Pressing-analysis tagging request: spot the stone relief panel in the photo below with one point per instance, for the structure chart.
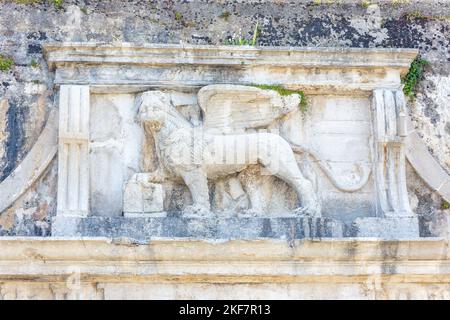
(236, 150)
(186, 143)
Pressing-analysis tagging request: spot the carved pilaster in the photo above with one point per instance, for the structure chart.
(73, 149)
(389, 131)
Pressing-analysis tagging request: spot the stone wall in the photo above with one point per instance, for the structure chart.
(26, 89)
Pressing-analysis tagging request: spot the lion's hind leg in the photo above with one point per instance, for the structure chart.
(285, 167)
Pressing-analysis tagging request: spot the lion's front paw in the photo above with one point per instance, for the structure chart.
(197, 211)
(307, 211)
(155, 177)
(248, 213)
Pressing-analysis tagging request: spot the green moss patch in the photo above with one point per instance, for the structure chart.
(285, 92)
(5, 63)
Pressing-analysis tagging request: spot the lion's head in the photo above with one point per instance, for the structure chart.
(153, 108)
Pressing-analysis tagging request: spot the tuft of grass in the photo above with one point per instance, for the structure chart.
(415, 15)
(237, 41)
(57, 4)
(5, 63)
(225, 15)
(27, 1)
(84, 10)
(35, 64)
(445, 205)
(397, 3)
(282, 91)
(240, 41)
(178, 16)
(412, 78)
(365, 4)
(256, 32)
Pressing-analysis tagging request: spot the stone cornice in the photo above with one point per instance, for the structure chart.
(131, 68)
(241, 56)
(231, 261)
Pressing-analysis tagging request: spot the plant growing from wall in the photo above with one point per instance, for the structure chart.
(241, 41)
(225, 15)
(397, 3)
(26, 1)
(415, 15)
(5, 63)
(412, 78)
(178, 16)
(285, 92)
(57, 4)
(35, 64)
(445, 205)
(365, 4)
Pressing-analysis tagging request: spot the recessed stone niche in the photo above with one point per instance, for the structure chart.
(198, 141)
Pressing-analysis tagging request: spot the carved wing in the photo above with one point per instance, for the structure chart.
(235, 108)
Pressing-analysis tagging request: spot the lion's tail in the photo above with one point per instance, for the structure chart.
(364, 170)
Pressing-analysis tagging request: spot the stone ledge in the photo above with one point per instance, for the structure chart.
(46, 249)
(145, 227)
(263, 261)
(101, 268)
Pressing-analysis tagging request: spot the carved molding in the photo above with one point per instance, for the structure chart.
(33, 268)
(133, 68)
(154, 54)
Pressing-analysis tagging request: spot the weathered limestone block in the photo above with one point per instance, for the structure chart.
(115, 151)
(386, 228)
(142, 196)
